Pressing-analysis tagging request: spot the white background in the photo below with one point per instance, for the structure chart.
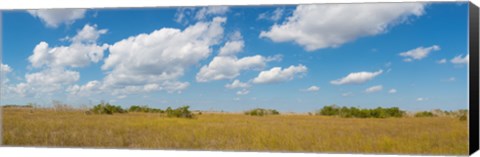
(77, 152)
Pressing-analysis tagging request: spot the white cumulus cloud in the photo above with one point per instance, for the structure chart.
(56, 17)
(231, 48)
(234, 46)
(331, 25)
(46, 81)
(88, 89)
(442, 61)
(357, 77)
(460, 60)
(312, 89)
(392, 91)
(55, 63)
(237, 84)
(5, 68)
(418, 53)
(243, 92)
(273, 16)
(209, 11)
(277, 74)
(374, 89)
(160, 57)
(226, 65)
(82, 51)
(229, 67)
(186, 14)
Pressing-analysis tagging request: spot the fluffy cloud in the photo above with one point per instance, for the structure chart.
(89, 34)
(160, 57)
(234, 46)
(277, 74)
(442, 61)
(53, 62)
(357, 77)
(374, 89)
(330, 25)
(229, 67)
(231, 48)
(237, 84)
(184, 15)
(82, 51)
(418, 53)
(210, 11)
(55, 17)
(460, 60)
(89, 88)
(392, 91)
(312, 89)
(274, 16)
(4, 70)
(243, 92)
(46, 81)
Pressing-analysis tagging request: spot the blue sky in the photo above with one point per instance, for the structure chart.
(289, 58)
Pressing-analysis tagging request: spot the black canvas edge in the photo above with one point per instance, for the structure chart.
(473, 77)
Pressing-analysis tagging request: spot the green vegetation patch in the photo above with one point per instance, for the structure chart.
(106, 108)
(146, 109)
(180, 112)
(349, 112)
(261, 112)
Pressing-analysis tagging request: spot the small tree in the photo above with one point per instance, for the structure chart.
(107, 109)
(146, 109)
(329, 110)
(424, 114)
(181, 112)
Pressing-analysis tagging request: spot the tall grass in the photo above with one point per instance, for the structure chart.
(235, 132)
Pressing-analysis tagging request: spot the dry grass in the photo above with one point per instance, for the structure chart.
(237, 132)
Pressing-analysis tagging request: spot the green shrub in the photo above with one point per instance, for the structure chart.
(346, 112)
(329, 111)
(424, 114)
(145, 109)
(181, 112)
(261, 112)
(103, 108)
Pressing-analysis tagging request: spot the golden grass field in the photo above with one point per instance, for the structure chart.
(235, 132)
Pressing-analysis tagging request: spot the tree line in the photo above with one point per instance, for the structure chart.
(330, 110)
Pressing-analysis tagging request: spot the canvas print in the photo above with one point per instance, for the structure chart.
(370, 78)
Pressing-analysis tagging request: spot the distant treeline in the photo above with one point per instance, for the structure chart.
(380, 112)
(17, 106)
(330, 110)
(106, 108)
(348, 112)
(261, 112)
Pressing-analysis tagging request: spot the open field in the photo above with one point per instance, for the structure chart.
(235, 132)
